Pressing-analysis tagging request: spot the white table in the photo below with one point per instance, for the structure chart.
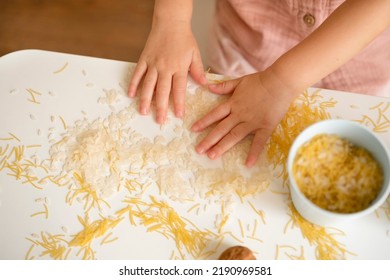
(44, 94)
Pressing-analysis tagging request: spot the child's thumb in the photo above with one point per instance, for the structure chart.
(224, 87)
(196, 70)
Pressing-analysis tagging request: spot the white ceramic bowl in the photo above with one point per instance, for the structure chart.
(357, 134)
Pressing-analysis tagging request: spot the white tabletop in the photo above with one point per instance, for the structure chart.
(166, 202)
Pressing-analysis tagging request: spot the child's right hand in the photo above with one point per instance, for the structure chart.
(170, 53)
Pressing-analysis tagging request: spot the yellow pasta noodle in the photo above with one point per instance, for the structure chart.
(337, 175)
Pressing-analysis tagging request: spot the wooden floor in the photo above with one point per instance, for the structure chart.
(114, 29)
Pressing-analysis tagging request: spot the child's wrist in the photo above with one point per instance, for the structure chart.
(172, 12)
(274, 82)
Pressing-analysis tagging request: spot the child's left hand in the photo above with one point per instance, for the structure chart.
(258, 103)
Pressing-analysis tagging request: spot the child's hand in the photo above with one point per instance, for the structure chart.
(257, 105)
(170, 53)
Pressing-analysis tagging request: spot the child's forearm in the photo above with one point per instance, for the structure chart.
(173, 11)
(347, 31)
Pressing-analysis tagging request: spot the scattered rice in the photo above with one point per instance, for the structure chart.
(105, 151)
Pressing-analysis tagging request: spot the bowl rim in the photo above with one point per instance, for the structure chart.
(378, 201)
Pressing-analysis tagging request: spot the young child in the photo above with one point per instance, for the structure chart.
(278, 47)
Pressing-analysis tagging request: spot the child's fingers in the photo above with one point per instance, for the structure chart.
(225, 87)
(218, 113)
(196, 69)
(163, 90)
(139, 72)
(147, 91)
(258, 144)
(211, 143)
(227, 140)
(179, 88)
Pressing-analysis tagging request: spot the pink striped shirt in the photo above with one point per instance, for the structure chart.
(249, 35)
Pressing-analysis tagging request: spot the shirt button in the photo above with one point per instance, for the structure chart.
(309, 19)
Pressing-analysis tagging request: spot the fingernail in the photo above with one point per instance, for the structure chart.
(131, 92)
(143, 111)
(179, 114)
(212, 155)
(250, 162)
(160, 119)
(212, 86)
(194, 128)
(199, 150)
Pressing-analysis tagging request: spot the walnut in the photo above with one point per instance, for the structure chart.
(237, 253)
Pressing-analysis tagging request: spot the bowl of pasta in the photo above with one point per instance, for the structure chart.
(338, 171)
